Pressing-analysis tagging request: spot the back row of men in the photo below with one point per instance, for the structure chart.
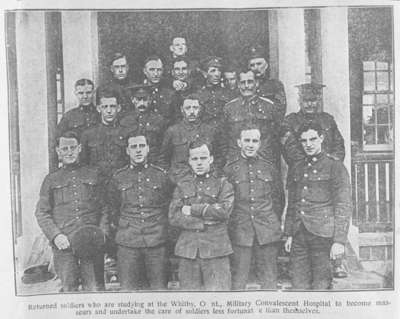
(195, 134)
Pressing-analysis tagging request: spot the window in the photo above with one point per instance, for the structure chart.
(377, 106)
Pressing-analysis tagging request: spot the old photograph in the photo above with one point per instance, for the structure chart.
(187, 150)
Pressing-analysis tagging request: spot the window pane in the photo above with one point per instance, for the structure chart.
(384, 135)
(369, 81)
(368, 99)
(383, 81)
(382, 65)
(368, 115)
(382, 99)
(369, 135)
(382, 115)
(369, 65)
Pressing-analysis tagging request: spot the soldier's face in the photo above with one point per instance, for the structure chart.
(247, 84)
(137, 149)
(178, 47)
(191, 110)
(258, 66)
(141, 103)
(120, 68)
(68, 150)
(180, 71)
(153, 71)
(310, 105)
(311, 142)
(84, 94)
(214, 75)
(108, 109)
(200, 160)
(230, 80)
(249, 142)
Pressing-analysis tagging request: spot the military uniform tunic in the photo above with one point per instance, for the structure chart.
(78, 119)
(318, 214)
(162, 102)
(333, 143)
(105, 146)
(273, 90)
(213, 98)
(203, 244)
(72, 197)
(140, 196)
(255, 223)
(256, 110)
(174, 152)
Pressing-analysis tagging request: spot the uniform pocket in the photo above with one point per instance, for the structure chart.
(61, 193)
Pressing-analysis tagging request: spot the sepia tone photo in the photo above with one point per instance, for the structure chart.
(201, 150)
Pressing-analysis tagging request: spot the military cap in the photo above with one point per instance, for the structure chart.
(140, 90)
(87, 242)
(310, 91)
(211, 61)
(37, 273)
(256, 51)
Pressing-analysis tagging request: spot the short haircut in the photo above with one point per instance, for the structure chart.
(199, 142)
(135, 133)
(153, 57)
(178, 36)
(244, 70)
(117, 56)
(82, 82)
(248, 127)
(68, 134)
(180, 59)
(107, 92)
(313, 125)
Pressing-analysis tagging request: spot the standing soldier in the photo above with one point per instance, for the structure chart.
(201, 207)
(212, 95)
(71, 199)
(318, 213)
(272, 89)
(175, 146)
(120, 82)
(255, 223)
(160, 94)
(253, 109)
(104, 144)
(310, 101)
(140, 194)
(84, 115)
(143, 120)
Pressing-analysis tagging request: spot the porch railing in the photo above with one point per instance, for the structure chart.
(373, 191)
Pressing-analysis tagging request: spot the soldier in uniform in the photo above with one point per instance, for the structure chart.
(175, 146)
(201, 206)
(104, 144)
(310, 101)
(140, 195)
(272, 89)
(255, 223)
(161, 94)
(84, 115)
(251, 108)
(70, 198)
(142, 119)
(231, 80)
(120, 82)
(318, 213)
(212, 95)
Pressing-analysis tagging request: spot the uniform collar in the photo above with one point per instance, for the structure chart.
(191, 125)
(139, 167)
(315, 158)
(87, 108)
(202, 177)
(248, 100)
(112, 125)
(250, 160)
(71, 167)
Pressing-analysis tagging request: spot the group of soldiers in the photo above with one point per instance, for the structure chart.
(190, 158)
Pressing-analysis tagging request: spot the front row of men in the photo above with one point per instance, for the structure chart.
(223, 221)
